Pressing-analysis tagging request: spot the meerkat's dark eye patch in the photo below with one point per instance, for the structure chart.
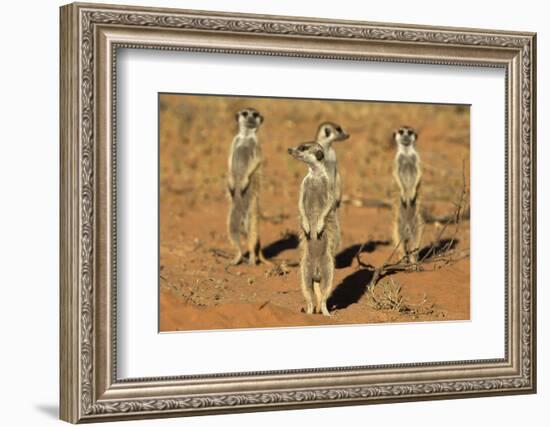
(339, 129)
(327, 132)
(302, 147)
(255, 114)
(319, 155)
(245, 113)
(401, 131)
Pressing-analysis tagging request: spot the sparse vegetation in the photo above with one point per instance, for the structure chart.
(388, 295)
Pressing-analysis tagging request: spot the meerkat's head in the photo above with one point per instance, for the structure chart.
(311, 153)
(249, 118)
(405, 136)
(329, 132)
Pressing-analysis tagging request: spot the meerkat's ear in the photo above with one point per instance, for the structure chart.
(237, 114)
(261, 119)
(319, 155)
(393, 135)
(327, 132)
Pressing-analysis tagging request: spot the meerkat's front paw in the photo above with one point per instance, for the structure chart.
(307, 231)
(231, 186)
(319, 230)
(244, 186)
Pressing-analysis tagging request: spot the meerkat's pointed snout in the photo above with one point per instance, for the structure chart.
(308, 152)
(293, 151)
(249, 118)
(329, 132)
(405, 136)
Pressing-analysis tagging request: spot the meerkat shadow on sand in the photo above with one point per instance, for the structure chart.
(345, 257)
(350, 290)
(287, 242)
(437, 248)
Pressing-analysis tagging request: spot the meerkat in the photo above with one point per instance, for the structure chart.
(407, 173)
(318, 228)
(327, 133)
(244, 164)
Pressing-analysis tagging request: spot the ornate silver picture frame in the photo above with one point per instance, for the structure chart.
(91, 35)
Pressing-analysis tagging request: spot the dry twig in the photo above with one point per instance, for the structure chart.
(220, 253)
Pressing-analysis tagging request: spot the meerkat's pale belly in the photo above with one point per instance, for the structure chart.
(242, 157)
(315, 200)
(408, 170)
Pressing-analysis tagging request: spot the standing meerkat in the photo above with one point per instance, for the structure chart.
(245, 159)
(407, 173)
(327, 133)
(318, 226)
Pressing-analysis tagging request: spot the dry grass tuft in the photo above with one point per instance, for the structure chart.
(387, 295)
(278, 269)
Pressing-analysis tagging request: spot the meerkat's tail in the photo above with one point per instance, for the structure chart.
(318, 296)
(261, 255)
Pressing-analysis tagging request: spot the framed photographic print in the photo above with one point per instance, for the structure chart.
(265, 212)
